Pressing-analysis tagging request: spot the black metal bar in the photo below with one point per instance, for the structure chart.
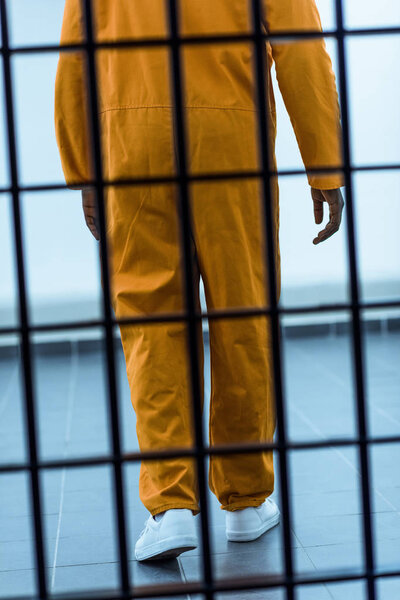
(174, 42)
(118, 486)
(222, 585)
(180, 136)
(261, 74)
(206, 177)
(238, 313)
(217, 449)
(28, 375)
(204, 39)
(357, 339)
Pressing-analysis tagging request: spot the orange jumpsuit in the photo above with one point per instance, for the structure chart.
(136, 125)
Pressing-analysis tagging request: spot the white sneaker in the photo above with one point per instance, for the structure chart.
(169, 536)
(249, 523)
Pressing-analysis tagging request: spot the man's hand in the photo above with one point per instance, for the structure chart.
(90, 211)
(335, 200)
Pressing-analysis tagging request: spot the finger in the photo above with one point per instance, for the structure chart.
(92, 225)
(326, 233)
(89, 202)
(336, 211)
(89, 211)
(95, 233)
(89, 198)
(335, 219)
(318, 202)
(318, 211)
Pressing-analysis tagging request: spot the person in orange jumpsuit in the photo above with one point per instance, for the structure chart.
(228, 246)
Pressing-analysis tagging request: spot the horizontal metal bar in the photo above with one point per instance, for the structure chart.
(220, 585)
(236, 313)
(143, 42)
(217, 449)
(200, 177)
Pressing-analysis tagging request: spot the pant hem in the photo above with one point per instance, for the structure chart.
(244, 504)
(193, 507)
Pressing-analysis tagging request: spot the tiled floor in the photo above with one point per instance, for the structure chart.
(80, 535)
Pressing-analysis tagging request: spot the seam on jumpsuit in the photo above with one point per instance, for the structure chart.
(216, 106)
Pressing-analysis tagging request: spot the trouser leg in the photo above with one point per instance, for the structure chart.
(147, 278)
(230, 238)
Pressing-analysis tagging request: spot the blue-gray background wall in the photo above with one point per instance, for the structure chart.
(61, 255)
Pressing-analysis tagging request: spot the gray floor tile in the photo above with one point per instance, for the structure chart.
(388, 496)
(88, 500)
(323, 470)
(330, 412)
(14, 498)
(324, 483)
(347, 557)
(87, 523)
(15, 495)
(388, 588)
(19, 555)
(387, 526)
(267, 562)
(17, 529)
(323, 531)
(89, 478)
(86, 577)
(260, 594)
(155, 573)
(17, 583)
(220, 545)
(86, 549)
(313, 592)
(387, 554)
(324, 504)
(383, 458)
(13, 446)
(354, 590)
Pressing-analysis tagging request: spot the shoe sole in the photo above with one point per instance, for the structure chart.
(168, 548)
(248, 536)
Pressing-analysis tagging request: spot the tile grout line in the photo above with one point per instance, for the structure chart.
(338, 380)
(71, 395)
(316, 430)
(332, 376)
(342, 456)
(381, 361)
(336, 450)
(387, 415)
(183, 576)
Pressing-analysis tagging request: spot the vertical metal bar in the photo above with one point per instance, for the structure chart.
(261, 75)
(355, 309)
(108, 326)
(185, 227)
(30, 411)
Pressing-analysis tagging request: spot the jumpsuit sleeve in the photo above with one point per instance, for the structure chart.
(307, 83)
(70, 102)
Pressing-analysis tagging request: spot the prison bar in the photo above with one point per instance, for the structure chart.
(117, 458)
(205, 39)
(30, 408)
(185, 222)
(210, 314)
(261, 73)
(216, 176)
(358, 360)
(95, 140)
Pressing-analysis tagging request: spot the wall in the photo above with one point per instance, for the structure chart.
(61, 255)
